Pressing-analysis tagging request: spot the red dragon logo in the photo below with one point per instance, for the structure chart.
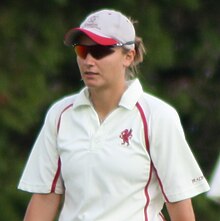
(126, 135)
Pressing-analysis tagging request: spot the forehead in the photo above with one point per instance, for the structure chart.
(84, 39)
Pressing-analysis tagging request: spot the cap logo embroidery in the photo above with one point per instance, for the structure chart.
(91, 23)
(126, 135)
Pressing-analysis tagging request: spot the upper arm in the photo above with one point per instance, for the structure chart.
(181, 211)
(43, 207)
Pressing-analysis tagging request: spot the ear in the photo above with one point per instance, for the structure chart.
(129, 58)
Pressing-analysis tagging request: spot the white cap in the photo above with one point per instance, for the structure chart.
(105, 27)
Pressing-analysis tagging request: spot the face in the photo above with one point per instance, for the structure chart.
(101, 72)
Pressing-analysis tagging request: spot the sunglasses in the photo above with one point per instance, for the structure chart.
(97, 51)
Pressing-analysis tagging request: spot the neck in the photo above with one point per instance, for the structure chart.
(105, 101)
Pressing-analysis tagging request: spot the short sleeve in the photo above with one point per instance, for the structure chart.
(42, 170)
(178, 172)
(214, 192)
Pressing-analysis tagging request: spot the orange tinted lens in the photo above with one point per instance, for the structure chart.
(81, 51)
(97, 51)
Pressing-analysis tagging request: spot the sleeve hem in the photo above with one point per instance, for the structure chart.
(189, 193)
(44, 189)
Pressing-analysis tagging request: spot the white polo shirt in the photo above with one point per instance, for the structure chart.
(105, 170)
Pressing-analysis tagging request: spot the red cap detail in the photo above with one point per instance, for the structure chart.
(69, 37)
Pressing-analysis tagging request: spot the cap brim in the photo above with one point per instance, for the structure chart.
(72, 35)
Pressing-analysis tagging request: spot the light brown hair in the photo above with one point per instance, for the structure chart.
(140, 51)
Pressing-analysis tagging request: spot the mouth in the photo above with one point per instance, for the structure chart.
(90, 73)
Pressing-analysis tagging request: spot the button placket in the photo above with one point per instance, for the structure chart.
(97, 140)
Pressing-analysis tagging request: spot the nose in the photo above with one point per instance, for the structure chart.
(89, 59)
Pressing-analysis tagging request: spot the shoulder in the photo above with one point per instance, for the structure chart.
(61, 104)
(162, 117)
(56, 109)
(157, 108)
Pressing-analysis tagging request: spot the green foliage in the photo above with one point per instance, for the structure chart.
(182, 67)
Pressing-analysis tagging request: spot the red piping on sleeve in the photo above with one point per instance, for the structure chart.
(56, 176)
(54, 183)
(144, 120)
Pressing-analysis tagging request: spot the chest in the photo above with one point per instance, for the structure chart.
(116, 148)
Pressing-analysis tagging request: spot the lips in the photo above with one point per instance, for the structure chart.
(90, 73)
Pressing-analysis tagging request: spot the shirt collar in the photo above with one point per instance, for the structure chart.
(128, 99)
(131, 95)
(82, 99)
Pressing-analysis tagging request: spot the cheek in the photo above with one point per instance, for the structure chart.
(79, 63)
(113, 69)
(78, 60)
(109, 67)
(116, 61)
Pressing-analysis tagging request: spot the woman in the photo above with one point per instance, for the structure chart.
(115, 152)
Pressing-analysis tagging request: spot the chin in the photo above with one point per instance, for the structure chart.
(91, 84)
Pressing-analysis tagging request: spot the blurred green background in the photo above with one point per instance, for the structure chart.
(182, 67)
